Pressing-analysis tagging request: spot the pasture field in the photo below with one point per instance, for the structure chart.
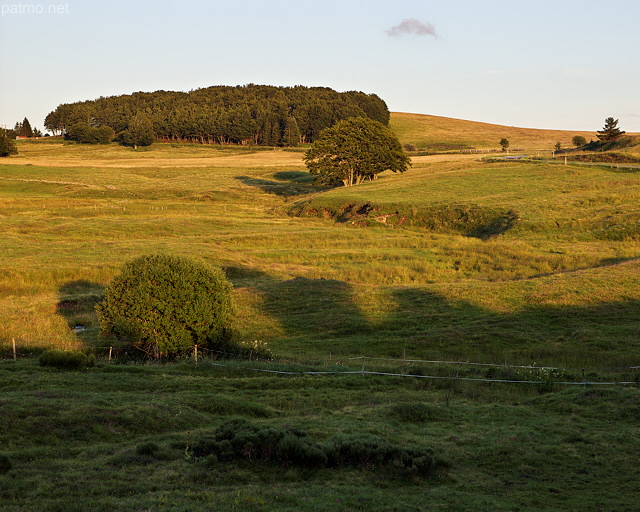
(460, 258)
(117, 438)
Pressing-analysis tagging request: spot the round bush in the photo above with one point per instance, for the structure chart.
(164, 305)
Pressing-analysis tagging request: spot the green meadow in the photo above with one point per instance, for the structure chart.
(512, 263)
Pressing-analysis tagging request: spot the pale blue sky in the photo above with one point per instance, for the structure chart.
(565, 64)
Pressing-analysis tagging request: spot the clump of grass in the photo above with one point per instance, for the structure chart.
(412, 412)
(148, 449)
(69, 359)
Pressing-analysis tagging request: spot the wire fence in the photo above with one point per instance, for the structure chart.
(562, 159)
(452, 370)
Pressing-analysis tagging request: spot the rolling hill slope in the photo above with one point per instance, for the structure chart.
(443, 133)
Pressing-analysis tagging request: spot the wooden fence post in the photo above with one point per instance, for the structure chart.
(195, 353)
(404, 361)
(15, 355)
(362, 365)
(110, 351)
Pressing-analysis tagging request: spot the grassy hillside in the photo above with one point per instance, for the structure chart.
(442, 133)
(309, 285)
(503, 263)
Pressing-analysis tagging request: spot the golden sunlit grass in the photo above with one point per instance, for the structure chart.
(434, 132)
(74, 214)
(64, 154)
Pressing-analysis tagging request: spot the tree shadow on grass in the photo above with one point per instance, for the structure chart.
(324, 314)
(289, 184)
(76, 304)
(318, 307)
(424, 321)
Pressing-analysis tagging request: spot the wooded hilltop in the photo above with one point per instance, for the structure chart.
(249, 114)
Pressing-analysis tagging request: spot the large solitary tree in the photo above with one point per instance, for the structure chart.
(610, 130)
(354, 150)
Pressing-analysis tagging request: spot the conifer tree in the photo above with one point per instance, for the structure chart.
(27, 131)
(610, 130)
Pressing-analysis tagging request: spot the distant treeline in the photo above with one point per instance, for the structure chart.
(249, 114)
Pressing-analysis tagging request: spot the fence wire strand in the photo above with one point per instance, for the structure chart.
(208, 358)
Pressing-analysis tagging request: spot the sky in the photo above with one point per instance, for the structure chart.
(557, 64)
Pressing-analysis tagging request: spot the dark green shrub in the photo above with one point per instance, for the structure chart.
(240, 439)
(7, 146)
(83, 132)
(70, 359)
(578, 140)
(5, 464)
(164, 305)
(300, 451)
(361, 450)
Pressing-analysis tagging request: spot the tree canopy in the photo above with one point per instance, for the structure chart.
(610, 130)
(139, 132)
(23, 129)
(82, 132)
(7, 146)
(578, 140)
(354, 150)
(250, 114)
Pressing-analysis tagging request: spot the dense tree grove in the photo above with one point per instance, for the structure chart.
(250, 114)
(22, 129)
